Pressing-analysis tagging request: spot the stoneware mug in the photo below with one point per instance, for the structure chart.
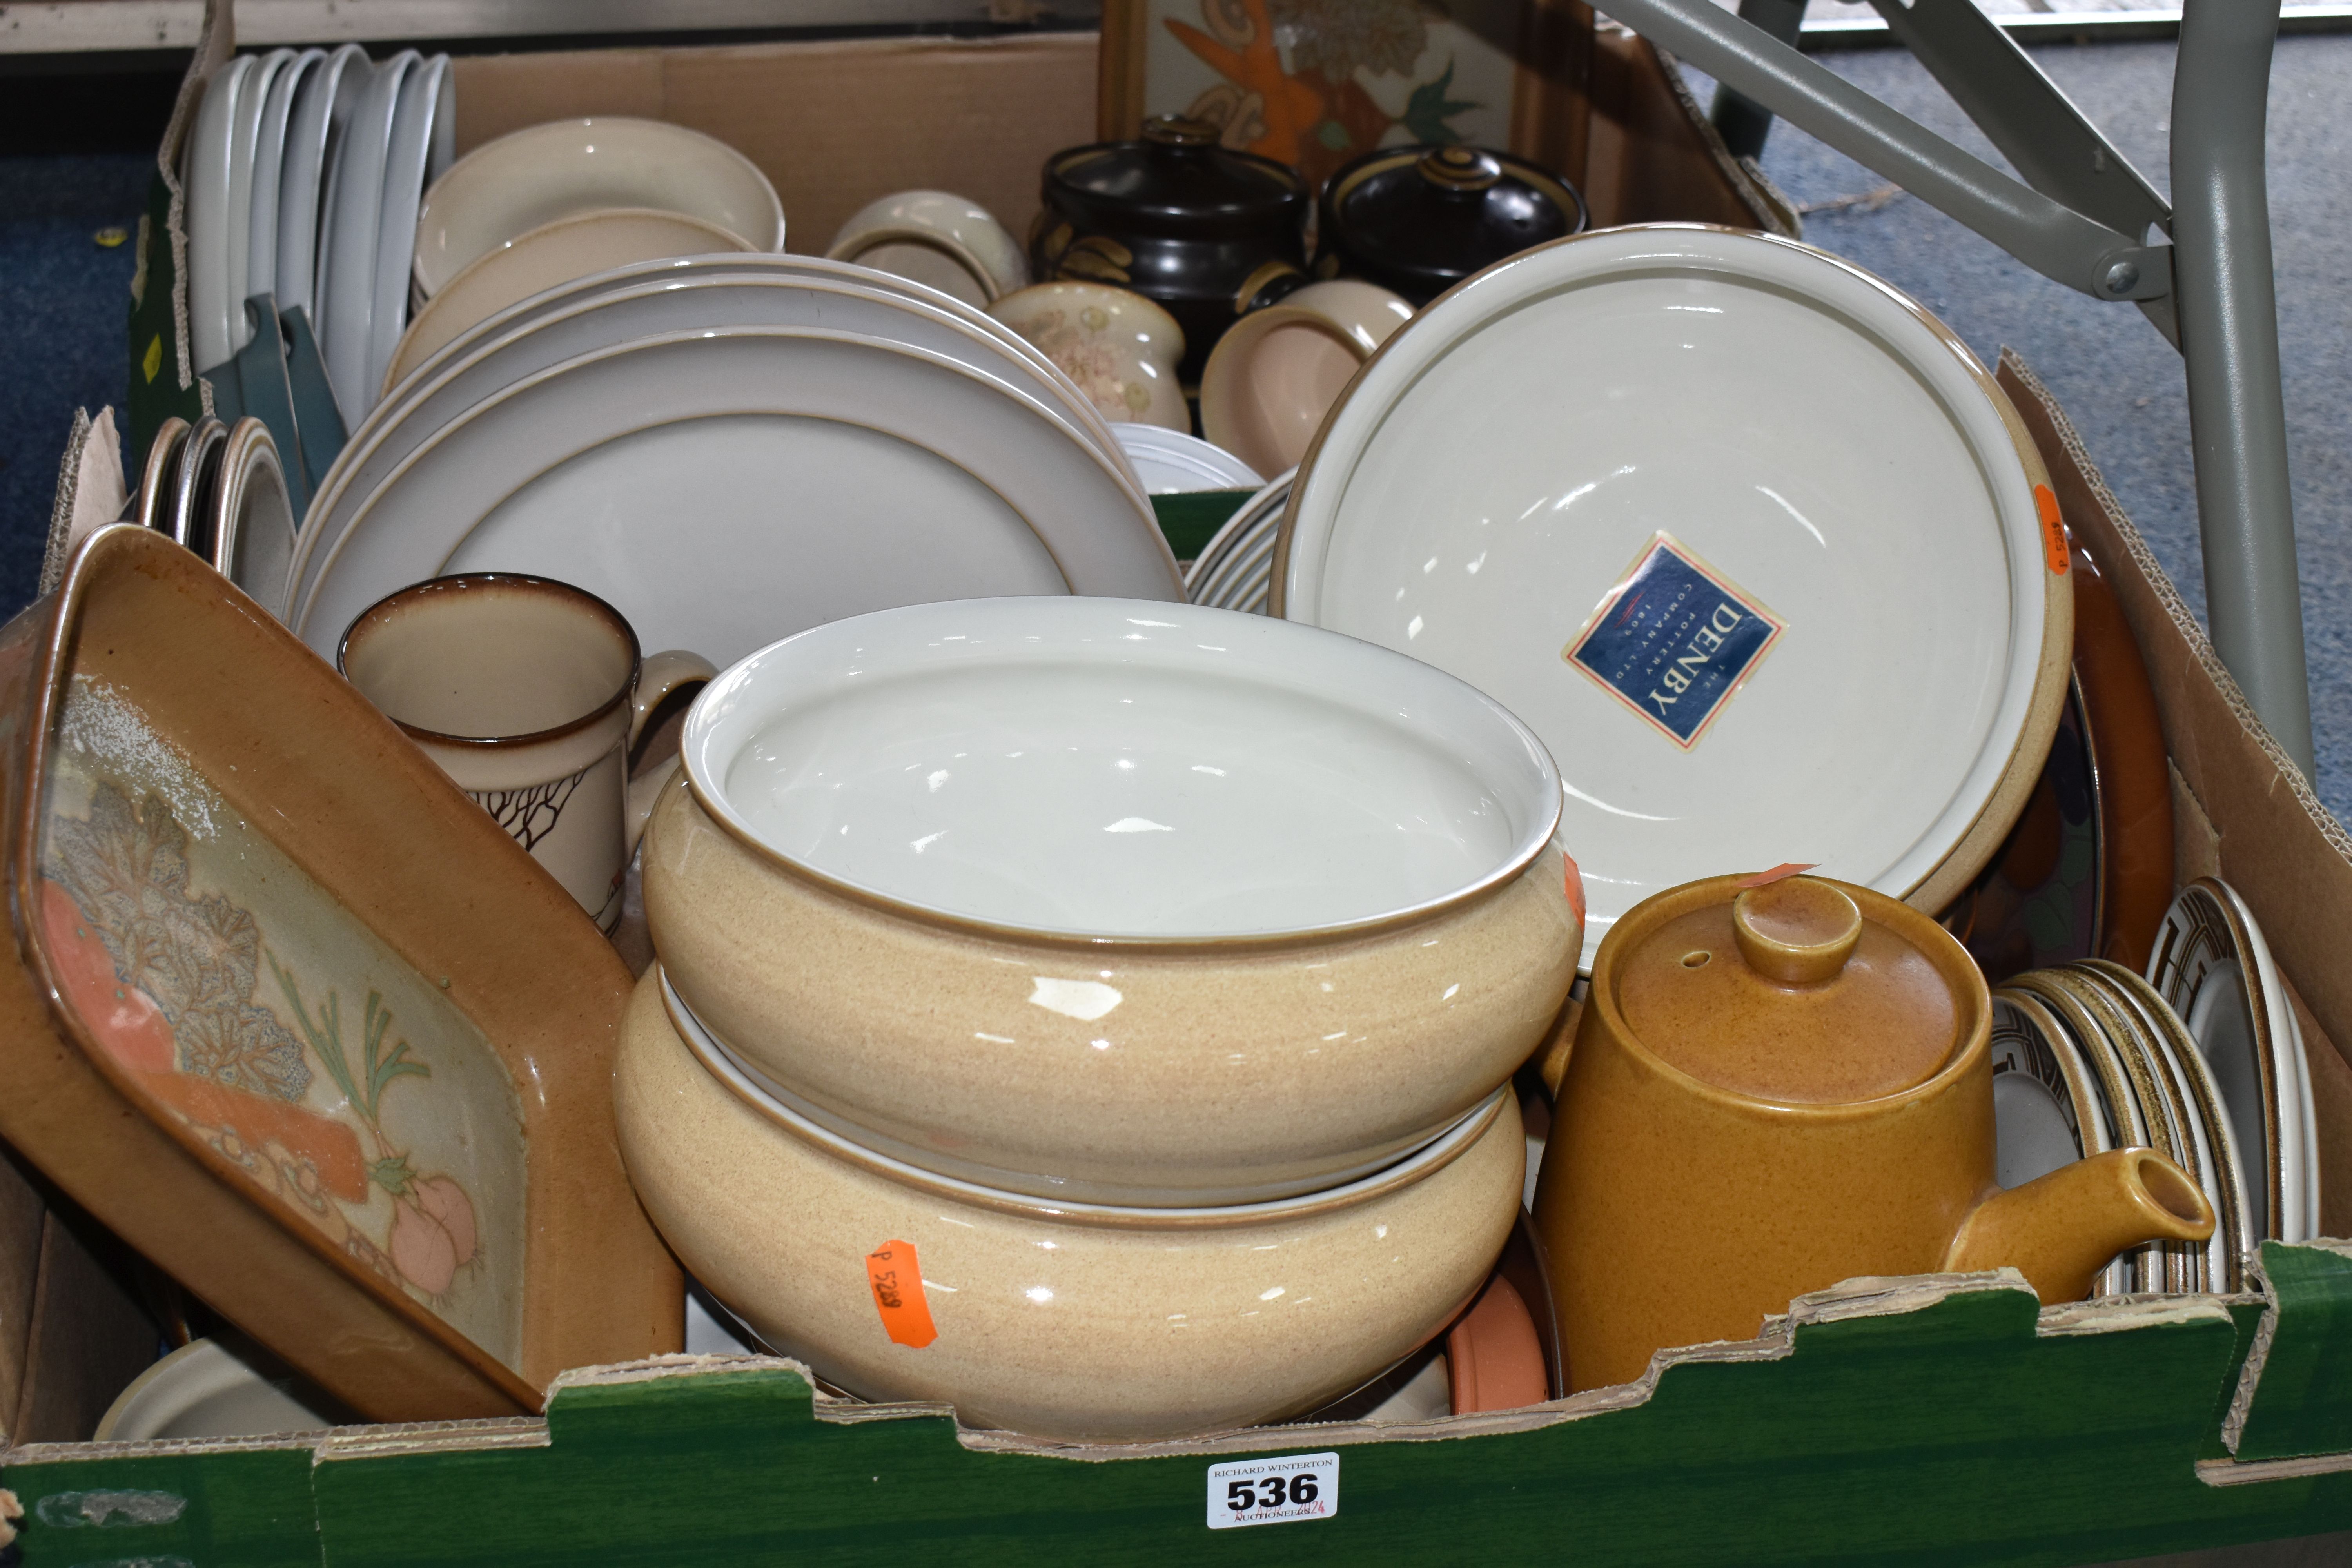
(1778, 1087)
(531, 694)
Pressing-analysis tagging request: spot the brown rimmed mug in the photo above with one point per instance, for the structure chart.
(531, 695)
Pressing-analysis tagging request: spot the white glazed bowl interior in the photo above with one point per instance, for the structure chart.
(1809, 433)
(1116, 768)
(534, 176)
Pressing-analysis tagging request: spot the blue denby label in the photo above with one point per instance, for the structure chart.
(1675, 639)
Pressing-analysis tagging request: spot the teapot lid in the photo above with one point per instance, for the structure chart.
(1420, 219)
(1178, 181)
(1788, 991)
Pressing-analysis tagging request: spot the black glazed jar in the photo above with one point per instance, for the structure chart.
(1200, 229)
(1420, 219)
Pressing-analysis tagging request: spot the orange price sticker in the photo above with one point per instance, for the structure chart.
(898, 1282)
(1786, 869)
(1575, 886)
(2054, 528)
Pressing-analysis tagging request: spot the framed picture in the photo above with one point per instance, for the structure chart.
(1314, 83)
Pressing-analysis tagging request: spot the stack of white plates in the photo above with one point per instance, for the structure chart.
(730, 449)
(1235, 569)
(303, 175)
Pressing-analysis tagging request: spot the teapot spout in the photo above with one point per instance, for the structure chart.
(2060, 1229)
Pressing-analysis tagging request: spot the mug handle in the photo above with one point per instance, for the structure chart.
(658, 678)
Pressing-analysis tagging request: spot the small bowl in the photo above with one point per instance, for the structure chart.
(1060, 1320)
(506, 188)
(933, 236)
(1276, 371)
(1125, 903)
(223, 1386)
(1120, 348)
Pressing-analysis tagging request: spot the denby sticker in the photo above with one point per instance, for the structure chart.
(1277, 1490)
(898, 1282)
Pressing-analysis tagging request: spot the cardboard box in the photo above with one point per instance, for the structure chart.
(1936, 1418)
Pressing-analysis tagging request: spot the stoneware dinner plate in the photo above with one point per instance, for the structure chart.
(1170, 462)
(726, 488)
(1234, 569)
(733, 269)
(347, 245)
(2045, 1107)
(2141, 1269)
(2126, 735)
(324, 103)
(299, 1022)
(2235, 1239)
(211, 311)
(406, 157)
(547, 257)
(2173, 1129)
(508, 188)
(2036, 1037)
(268, 171)
(253, 100)
(1752, 541)
(446, 388)
(2041, 900)
(2211, 965)
(152, 506)
(253, 518)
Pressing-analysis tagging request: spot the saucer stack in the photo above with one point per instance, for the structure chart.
(1096, 1015)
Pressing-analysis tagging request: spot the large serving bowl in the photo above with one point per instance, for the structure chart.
(1119, 902)
(1056, 1319)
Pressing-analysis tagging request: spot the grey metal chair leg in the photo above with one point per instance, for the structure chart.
(2229, 324)
(1739, 120)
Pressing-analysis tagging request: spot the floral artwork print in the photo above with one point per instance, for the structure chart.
(194, 958)
(433, 1231)
(197, 957)
(258, 1013)
(1311, 82)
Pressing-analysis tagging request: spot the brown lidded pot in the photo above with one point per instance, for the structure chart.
(1203, 231)
(1775, 1088)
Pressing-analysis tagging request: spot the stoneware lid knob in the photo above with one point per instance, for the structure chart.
(1799, 931)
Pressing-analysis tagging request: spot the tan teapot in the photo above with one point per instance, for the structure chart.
(1774, 1087)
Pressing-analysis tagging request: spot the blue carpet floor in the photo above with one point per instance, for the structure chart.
(63, 297)
(2120, 380)
(65, 301)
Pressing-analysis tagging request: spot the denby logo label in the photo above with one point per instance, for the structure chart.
(1673, 640)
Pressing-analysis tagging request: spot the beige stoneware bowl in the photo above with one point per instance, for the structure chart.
(1058, 1320)
(1130, 903)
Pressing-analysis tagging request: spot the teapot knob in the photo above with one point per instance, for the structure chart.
(1798, 930)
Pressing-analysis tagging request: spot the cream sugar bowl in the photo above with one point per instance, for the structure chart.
(1276, 371)
(1121, 902)
(1121, 349)
(954, 245)
(1060, 1320)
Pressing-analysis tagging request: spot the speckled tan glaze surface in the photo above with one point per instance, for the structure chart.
(1212, 1073)
(1675, 1212)
(1050, 1327)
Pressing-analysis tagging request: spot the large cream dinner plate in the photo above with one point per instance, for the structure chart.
(1751, 539)
(727, 488)
(651, 308)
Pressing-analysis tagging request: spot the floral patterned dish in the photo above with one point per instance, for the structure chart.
(294, 1017)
